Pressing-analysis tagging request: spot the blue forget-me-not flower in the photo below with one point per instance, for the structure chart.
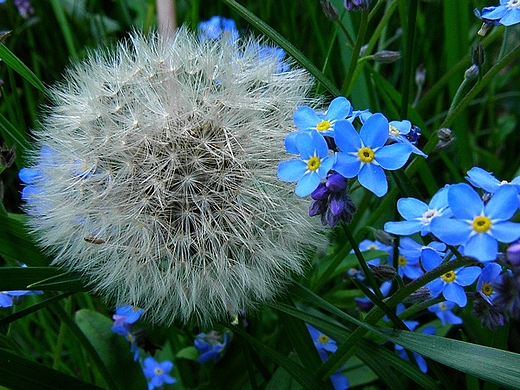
(313, 165)
(478, 226)
(365, 155)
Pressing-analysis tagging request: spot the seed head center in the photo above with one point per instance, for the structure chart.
(366, 155)
(324, 125)
(481, 224)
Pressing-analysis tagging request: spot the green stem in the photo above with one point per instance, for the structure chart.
(362, 262)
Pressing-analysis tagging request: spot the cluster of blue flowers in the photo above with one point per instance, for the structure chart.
(473, 224)
(331, 151)
(156, 372)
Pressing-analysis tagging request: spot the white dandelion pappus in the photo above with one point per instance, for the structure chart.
(158, 181)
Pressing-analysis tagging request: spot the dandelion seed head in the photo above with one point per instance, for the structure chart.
(161, 188)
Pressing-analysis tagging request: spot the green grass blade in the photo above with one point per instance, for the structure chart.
(38, 278)
(16, 244)
(18, 66)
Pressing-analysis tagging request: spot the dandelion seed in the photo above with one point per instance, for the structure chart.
(160, 187)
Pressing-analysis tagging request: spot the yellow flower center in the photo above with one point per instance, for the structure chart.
(449, 277)
(394, 131)
(323, 339)
(366, 155)
(487, 289)
(401, 260)
(481, 224)
(323, 125)
(158, 371)
(313, 163)
(443, 306)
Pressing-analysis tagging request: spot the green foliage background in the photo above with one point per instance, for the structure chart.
(62, 339)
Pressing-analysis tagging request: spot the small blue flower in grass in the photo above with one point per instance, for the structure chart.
(367, 245)
(365, 155)
(452, 283)
(6, 297)
(399, 130)
(478, 227)
(313, 165)
(490, 274)
(216, 28)
(325, 344)
(322, 342)
(443, 310)
(507, 13)
(211, 345)
(157, 373)
(124, 316)
(418, 214)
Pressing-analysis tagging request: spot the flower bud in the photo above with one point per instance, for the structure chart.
(472, 72)
(383, 272)
(513, 254)
(329, 10)
(356, 5)
(387, 56)
(420, 75)
(446, 137)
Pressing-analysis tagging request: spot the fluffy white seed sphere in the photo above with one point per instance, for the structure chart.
(157, 179)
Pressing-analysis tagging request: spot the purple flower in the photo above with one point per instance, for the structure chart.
(365, 154)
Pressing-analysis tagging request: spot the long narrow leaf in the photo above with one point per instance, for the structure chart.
(18, 66)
